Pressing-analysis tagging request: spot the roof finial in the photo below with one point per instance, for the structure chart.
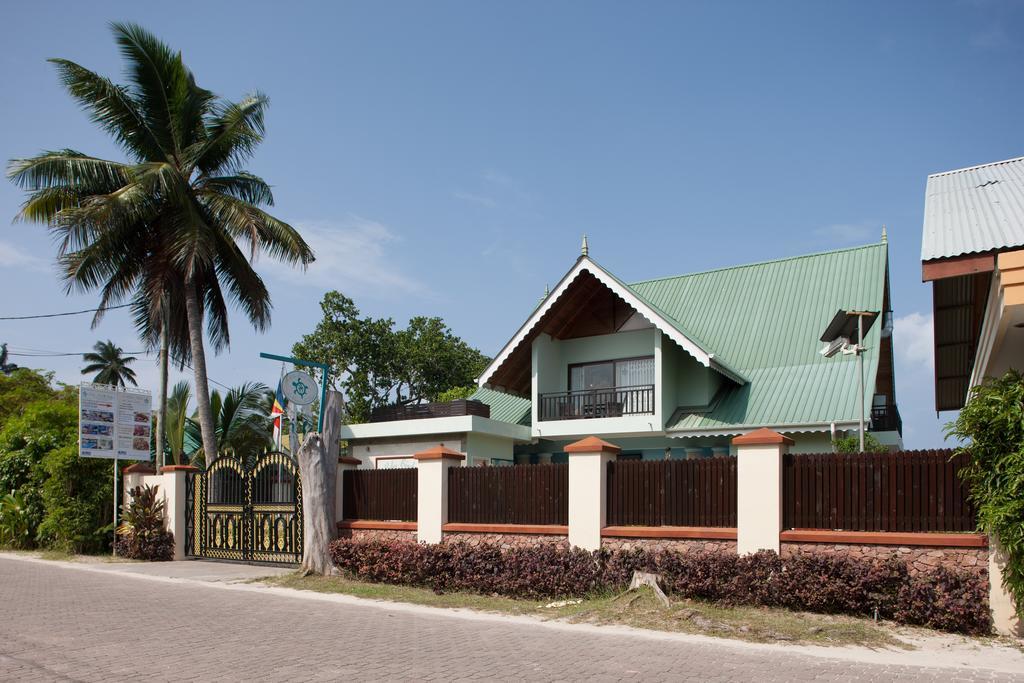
(885, 235)
(584, 249)
(547, 292)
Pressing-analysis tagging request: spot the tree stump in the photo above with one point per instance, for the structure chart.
(318, 465)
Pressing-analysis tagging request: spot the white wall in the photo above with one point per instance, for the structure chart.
(484, 447)
(369, 453)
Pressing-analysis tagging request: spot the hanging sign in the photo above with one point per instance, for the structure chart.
(114, 423)
(299, 388)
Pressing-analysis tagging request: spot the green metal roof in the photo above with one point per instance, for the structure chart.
(505, 407)
(763, 321)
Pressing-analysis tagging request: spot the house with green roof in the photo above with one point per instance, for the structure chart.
(675, 366)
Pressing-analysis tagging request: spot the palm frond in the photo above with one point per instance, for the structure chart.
(233, 134)
(243, 186)
(159, 80)
(112, 108)
(67, 168)
(258, 229)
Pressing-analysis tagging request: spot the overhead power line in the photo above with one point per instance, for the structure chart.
(59, 315)
(59, 354)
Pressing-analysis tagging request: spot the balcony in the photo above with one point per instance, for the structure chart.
(886, 419)
(595, 403)
(420, 411)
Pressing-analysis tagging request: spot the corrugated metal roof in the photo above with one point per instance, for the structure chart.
(764, 321)
(505, 407)
(974, 209)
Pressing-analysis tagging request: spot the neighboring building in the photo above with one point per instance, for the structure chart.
(672, 367)
(972, 252)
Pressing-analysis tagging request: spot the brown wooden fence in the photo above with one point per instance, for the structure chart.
(672, 492)
(386, 495)
(901, 491)
(519, 494)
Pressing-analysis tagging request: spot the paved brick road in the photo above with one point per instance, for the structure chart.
(66, 624)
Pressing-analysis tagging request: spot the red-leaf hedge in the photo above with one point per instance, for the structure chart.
(943, 599)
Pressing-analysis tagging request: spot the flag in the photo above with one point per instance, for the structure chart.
(277, 412)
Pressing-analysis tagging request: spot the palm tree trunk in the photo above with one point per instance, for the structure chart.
(161, 413)
(193, 315)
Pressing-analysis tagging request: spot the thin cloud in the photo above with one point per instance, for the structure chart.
(353, 256)
(13, 257)
(472, 198)
(913, 341)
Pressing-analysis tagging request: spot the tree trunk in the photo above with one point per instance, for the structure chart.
(194, 316)
(318, 466)
(161, 413)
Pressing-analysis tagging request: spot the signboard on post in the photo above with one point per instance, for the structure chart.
(114, 423)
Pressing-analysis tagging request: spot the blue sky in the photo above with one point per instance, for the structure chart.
(444, 158)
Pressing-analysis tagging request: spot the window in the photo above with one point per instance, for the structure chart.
(627, 372)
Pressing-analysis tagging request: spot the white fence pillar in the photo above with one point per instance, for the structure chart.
(759, 490)
(432, 491)
(1004, 608)
(588, 490)
(344, 464)
(171, 483)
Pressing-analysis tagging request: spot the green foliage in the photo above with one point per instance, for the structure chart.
(992, 424)
(241, 420)
(456, 394)
(21, 387)
(110, 364)
(142, 534)
(177, 419)
(15, 522)
(66, 500)
(851, 444)
(78, 502)
(377, 364)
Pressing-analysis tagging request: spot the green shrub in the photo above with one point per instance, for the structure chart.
(78, 502)
(992, 424)
(15, 523)
(851, 444)
(68, 501)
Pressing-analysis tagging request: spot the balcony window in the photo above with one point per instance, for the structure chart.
(604, 389)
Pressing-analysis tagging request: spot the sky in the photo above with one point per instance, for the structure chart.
(445, 158)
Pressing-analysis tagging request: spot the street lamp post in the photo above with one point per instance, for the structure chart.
(846, 334)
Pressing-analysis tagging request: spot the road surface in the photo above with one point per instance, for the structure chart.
(65, 624)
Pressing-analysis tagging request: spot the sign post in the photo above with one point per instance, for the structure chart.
(325, 376)
(115, 424)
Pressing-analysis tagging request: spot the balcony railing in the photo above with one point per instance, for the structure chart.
(886, 419)
(593, 403)
(417, 411)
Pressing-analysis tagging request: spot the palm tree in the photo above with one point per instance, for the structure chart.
(177, 421)
(110, 366)
(241, 419)
(169, 224)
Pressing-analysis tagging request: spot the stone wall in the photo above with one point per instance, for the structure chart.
(918, 558)
(377, 534)
(506, 541)
(673, 545)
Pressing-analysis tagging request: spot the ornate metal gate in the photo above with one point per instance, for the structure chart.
(247, 509)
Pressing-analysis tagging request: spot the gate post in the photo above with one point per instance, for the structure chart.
(588, 490)
(172, 481)
(344, 465)
(432, 491)
(759, 490)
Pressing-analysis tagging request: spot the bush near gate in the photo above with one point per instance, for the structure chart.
(143, 534)
(946, 600)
